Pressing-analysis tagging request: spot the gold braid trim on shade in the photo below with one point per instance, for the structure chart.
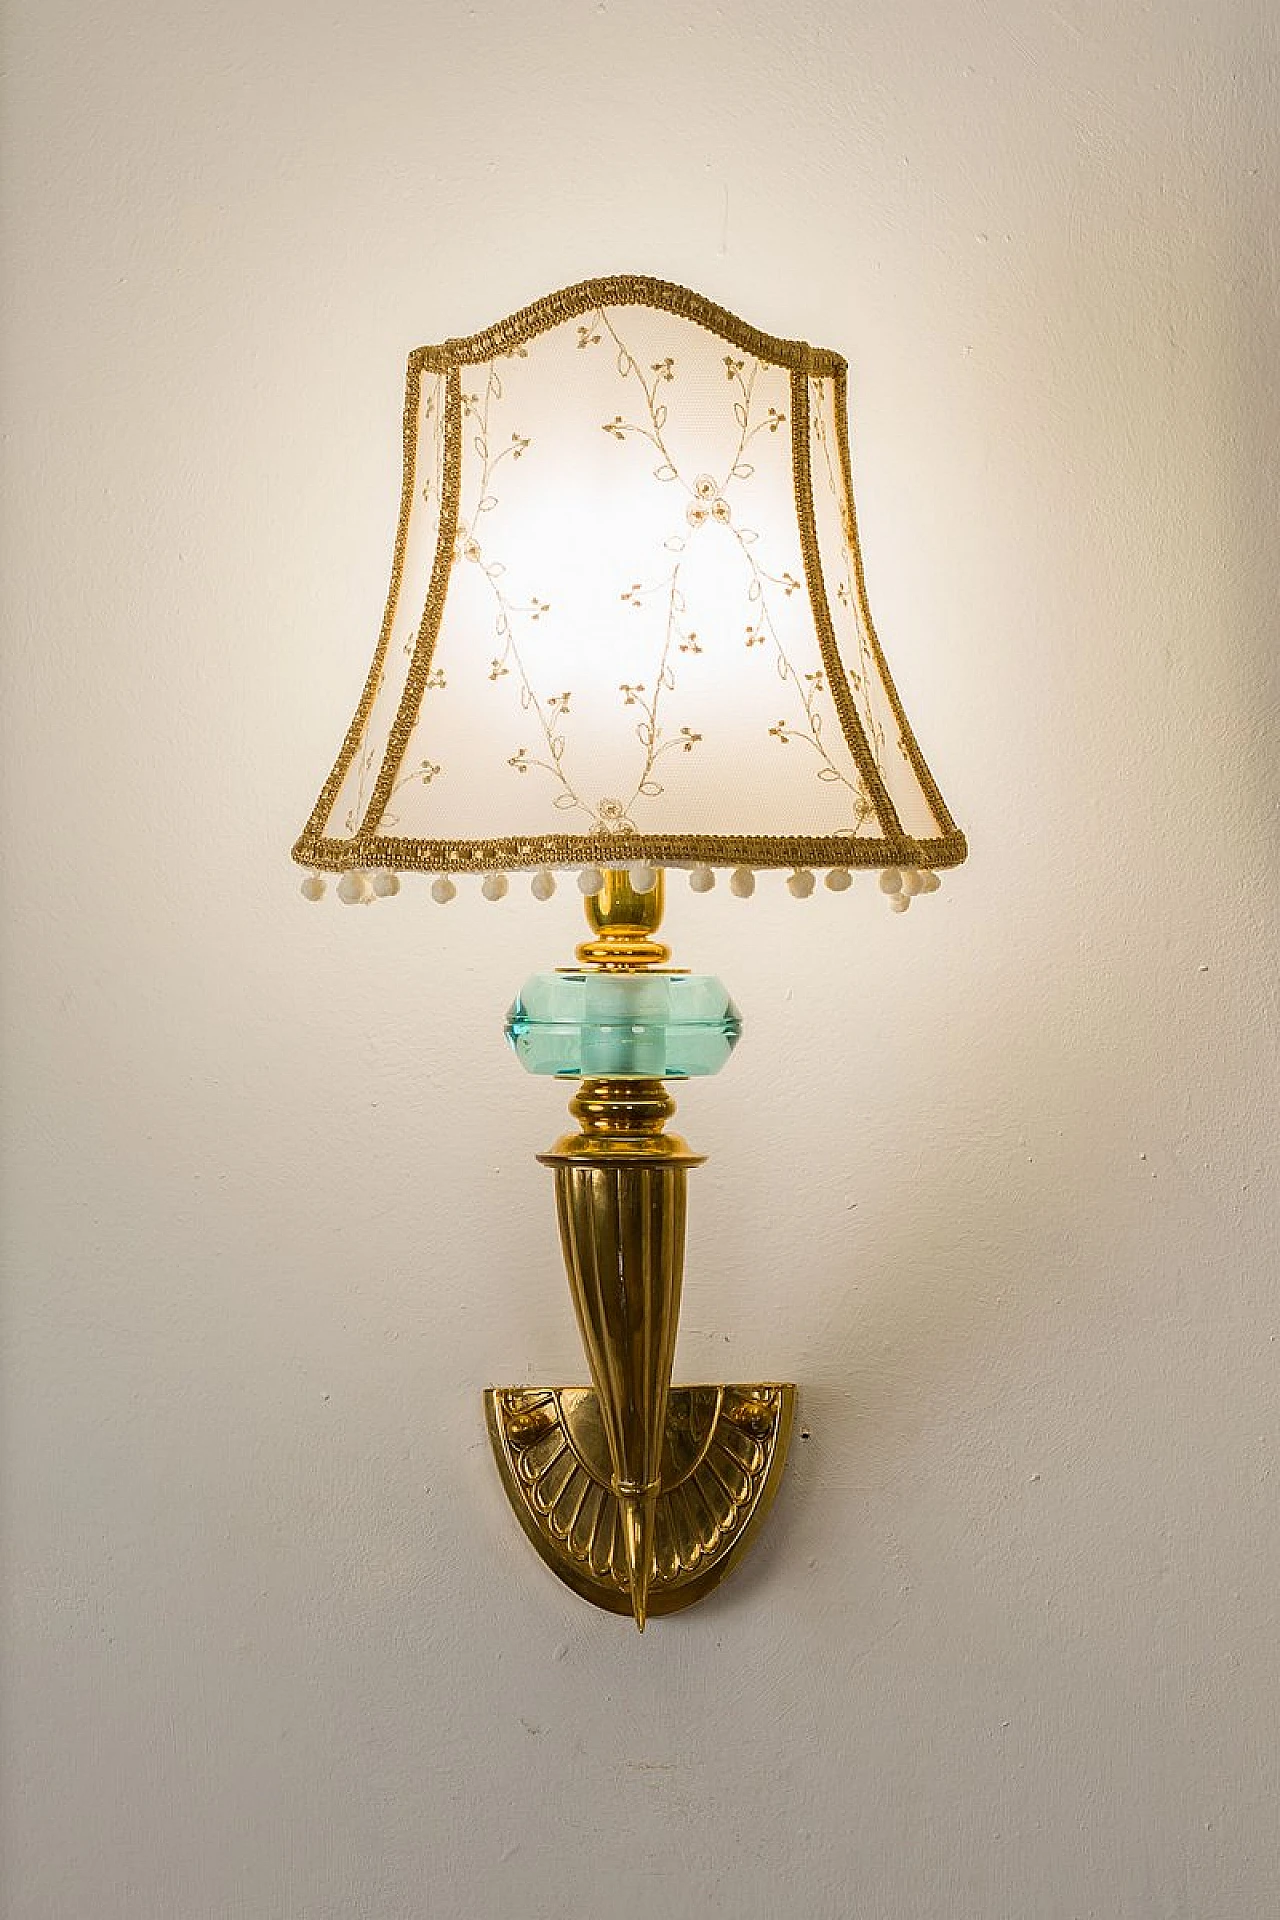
(355, 732)
(886, 812)
(950, 832)
(893, 846)
(515, 855)
(627, 290)
(432, 613)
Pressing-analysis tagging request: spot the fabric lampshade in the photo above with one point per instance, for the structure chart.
(627, 620)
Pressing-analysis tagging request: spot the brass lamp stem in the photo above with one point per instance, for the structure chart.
(620, 1197)
(639, 1495)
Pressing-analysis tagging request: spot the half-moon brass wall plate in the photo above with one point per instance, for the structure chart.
(723, 1454)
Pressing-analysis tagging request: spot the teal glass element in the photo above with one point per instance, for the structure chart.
(580, 1025)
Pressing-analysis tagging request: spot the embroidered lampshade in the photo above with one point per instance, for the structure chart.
(627, 622)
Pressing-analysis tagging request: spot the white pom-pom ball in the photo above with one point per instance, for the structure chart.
(442, 890)
(912, 882)
(930, 881)
(890, 880)
(494, 886)
(386, 884)
(313, 887)
(643, 877)
(800, 883)
(900, 902)
(839, 880)
(742, 882)
(590, 882)
(701, 879)
(354, 889)
(543, 884)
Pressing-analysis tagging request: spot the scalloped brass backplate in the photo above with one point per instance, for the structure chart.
(724, 1453)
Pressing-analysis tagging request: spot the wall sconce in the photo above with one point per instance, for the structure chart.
(627, 633)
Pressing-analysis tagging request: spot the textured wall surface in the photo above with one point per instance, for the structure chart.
(994, 1182)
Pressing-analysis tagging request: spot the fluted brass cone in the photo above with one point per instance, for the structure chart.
(620, 1197)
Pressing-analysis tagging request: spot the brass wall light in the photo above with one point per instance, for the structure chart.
(628, 634)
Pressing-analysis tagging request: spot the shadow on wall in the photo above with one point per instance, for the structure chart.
(1128, 634)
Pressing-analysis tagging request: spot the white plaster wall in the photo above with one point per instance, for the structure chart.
(996, 1183)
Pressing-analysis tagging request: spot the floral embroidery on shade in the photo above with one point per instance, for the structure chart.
(612, 817)
(707, 502)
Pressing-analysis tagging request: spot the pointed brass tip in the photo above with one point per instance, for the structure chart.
(639, 1511)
